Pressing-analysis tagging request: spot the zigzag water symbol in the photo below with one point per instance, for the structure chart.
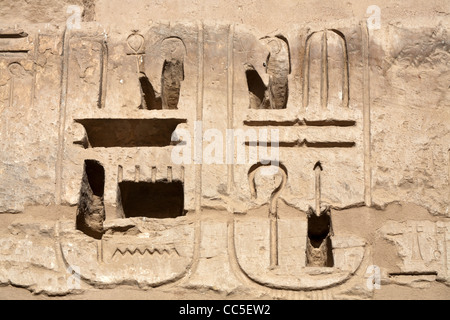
(143, 251)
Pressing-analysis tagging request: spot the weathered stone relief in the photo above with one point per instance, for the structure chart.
(422, 247)
(92, 121)
(278, 67)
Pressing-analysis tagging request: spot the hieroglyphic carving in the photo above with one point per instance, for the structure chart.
(278, 68)
(135, 42)
(16, 93)
(326, 75)
(284, 239)
(132, 250)
(162, 252)
(199, 114)
(16, 49)
(252, 240)
(172, 71)
(17, 74)
(422, 246)
(148, 192)
(273, 211)
(319, 246)
(173, 51)
(366, 117)
(230, 104)
(14, 43)
(83, 87)
(88, 62)
(150, 173)
(275, 91)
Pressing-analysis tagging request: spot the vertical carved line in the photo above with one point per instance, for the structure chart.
(200, 84)
(366, 116)
(324, 78)
(199, 113)
(230, 111)
(61, 262)
(231, 249)
(446, 255)
(273, 242)
(273, 212)
(119, 206)
(99, 251)
(62, 116)
(119, 174)
(440, 231)
(345, 85)
(101, 247)
(447, 213)
(33, 84)
(103, 75)
(338, 58)
(416, 254)
(317, 170)
(306, 76)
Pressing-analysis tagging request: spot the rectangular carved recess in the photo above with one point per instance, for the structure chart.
(91, 210)
(319, 251)
(160, 199)
(13, 43)
(129, 133)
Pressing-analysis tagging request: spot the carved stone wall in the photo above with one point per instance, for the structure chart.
(189, 155)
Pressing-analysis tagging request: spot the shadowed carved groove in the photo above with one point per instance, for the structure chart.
(149, 99)
(91, 209)
(12, 34)
(298, 122)
(256, 88)
(303, 143)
